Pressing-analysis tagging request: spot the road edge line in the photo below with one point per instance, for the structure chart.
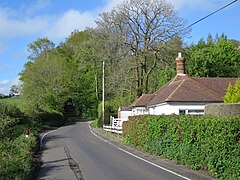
(41, 140)
(127, 152)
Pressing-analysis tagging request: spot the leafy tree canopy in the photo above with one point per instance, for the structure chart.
(39, 47)
(214, 58)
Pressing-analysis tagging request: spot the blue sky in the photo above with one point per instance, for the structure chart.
(23, 21)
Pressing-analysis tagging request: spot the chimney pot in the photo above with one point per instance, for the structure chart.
(179, 54)
(180, 63)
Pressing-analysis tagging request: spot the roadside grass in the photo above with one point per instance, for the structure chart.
(94, 123)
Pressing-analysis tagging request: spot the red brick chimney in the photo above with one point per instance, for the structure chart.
(180, 63)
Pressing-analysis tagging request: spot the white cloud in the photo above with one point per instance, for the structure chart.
(5, 85)
(4, 82)
(11, 26)
(19, 23)
(54, 26)
(62, 26)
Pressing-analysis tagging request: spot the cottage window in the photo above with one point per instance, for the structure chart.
(196, 111)
(181, 111)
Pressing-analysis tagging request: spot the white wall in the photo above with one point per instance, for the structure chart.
(124, 114)
(173, 108)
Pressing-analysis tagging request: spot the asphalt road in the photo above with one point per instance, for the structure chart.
(75, 152)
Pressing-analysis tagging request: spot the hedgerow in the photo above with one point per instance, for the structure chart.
(201, 142)
(16, 158)
(16, 150)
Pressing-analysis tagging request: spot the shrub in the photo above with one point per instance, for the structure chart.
(233, 93)
(16, 151)
(10, 116)
(94, 123)
(11, 110)
(52, 119)
(202, 142)
(16, 161)
(6, 126)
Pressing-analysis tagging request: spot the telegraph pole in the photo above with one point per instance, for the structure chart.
(103, 94)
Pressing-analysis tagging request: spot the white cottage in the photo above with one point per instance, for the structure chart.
(124, 112)
(183, 94)
(139, 106)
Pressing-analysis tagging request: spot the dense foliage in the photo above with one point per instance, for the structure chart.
(217, 57)
(16, 160)
(202, 142)
(233, 93)
(138, 41)
(51, 80)
(17, 151)
(135, 63)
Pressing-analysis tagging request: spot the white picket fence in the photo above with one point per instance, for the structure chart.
(115, 125)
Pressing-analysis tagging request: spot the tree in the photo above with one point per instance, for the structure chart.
(1, 95)
(58, 75)
(87, 52)
(217, 58)
(139, 30)
(40, 47)
(44, 83)
(15, 89)
(233, 93)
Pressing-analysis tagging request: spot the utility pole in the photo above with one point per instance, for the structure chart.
(103, 94)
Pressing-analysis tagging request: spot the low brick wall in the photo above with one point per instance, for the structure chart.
(223, 109)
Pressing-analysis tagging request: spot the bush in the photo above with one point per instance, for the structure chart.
(6, 126)
(16, 151)
(11, 110)
(52, 119)
(16, 161)
(202, 142)
(233, 93)
(94, 123)
(10, 116)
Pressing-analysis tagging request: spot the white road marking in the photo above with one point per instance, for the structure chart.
(131, 154)
(41, 141)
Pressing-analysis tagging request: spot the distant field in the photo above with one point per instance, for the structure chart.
(15, 100)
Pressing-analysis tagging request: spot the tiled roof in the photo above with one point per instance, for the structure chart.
(219, 85)
(189, 89)
(125, 108)
(142, 101)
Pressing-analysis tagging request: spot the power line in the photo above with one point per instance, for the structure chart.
(210, 14)
(201, 19)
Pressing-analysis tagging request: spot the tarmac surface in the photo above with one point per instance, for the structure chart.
(77, 151)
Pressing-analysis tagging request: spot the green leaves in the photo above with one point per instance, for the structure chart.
(40, 47)
(219, 58)
(16, 161)
(233, 93)
(201, 142)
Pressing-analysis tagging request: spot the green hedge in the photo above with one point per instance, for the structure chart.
(202, 142)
